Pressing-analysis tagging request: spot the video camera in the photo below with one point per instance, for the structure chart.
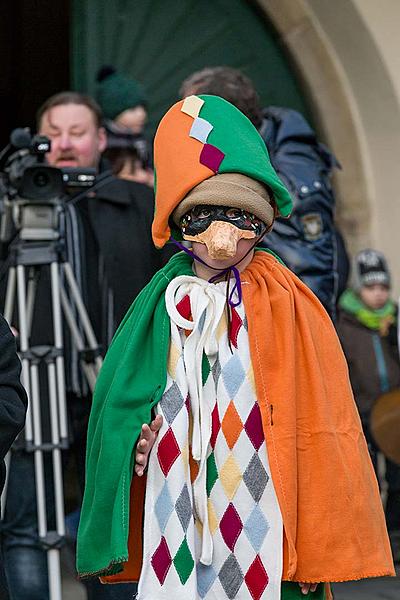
(33, 193)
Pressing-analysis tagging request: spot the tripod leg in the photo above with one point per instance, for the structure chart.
(30, 370)
(89, 370)
(23, 343)
(58, 343)
(53, 555)
(10, 295)
(82, 312)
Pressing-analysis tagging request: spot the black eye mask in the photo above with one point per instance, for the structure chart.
(200, 218)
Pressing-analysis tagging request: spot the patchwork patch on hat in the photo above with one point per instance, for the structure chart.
(192, 106)
(211, 157)
(200, 130)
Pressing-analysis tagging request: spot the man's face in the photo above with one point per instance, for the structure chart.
(76, 141)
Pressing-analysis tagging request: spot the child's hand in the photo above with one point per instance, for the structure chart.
(307, 587)
(146, 442)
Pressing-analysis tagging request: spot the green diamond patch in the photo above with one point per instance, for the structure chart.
(184, 562)
(212, 473)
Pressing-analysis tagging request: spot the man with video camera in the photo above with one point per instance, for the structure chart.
(110, 249)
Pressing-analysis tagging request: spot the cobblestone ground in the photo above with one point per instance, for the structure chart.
(371, 589)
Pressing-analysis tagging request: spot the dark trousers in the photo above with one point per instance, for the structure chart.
(392, 476)
(25, 562)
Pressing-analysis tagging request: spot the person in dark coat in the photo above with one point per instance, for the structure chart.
(109, 247)
(367, 328)
(309, 242)
(13, 402)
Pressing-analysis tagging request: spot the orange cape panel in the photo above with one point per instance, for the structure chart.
(334, 527)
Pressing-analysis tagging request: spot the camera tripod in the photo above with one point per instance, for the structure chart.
(29, 256)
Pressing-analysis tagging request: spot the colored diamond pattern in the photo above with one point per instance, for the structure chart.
(205, 578)
(171, 402)
(222, 327)
(184, 562)
(236, 323)
(168, 451)
(230, 477)
(256, 578)
(231, 425)
(253, 427)
(233, 375)
(163, 507)
(255, 477)
(173, 359)
(212, 473)
(212, 517)
(231, 526)
(194, 467)
(251, 380)
(216, 370)
(200, 130)
(183, 507)
(183, 307)
(211, 157)
(215, 426)
(205, 368)
(202, 320)
(161, 560)
(256, 528)
(231, 577)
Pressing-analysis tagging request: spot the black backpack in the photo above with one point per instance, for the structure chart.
(308, 242)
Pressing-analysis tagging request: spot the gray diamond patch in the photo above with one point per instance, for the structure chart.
(231, 576)
(255, 477)
(216, 371)
(171, 402)
(183, 507)
(202, 320)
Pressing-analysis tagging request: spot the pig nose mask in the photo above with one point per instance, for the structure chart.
(220, 228)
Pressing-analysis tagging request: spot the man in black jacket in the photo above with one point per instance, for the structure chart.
(112, 255)
(13, 403)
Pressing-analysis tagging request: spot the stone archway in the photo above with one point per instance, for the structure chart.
(352, 97)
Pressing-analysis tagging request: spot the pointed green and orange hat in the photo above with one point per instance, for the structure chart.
(199, 137)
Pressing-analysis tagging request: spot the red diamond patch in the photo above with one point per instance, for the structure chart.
(253, 427)
(235, 325)
(256, 578)
(215, 426)
(161, 561)
(231, 526)
(168, 451)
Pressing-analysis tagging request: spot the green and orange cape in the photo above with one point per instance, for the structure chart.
(334, 528)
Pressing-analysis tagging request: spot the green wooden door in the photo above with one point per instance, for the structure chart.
(161, 42)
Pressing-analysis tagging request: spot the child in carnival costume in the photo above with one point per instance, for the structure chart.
(225, 454)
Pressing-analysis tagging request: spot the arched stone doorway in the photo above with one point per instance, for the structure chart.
(355, 106)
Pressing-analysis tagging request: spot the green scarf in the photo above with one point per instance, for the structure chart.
(373, 319)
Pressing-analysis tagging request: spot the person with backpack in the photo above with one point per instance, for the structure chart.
(309, 243)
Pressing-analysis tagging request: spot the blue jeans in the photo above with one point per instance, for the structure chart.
(25, 562)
